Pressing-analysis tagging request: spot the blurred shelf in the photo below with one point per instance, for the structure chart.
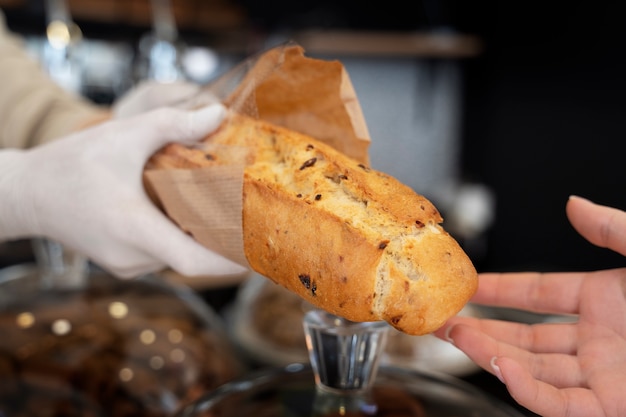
(197, 15)
(389, 43)
(200, 15)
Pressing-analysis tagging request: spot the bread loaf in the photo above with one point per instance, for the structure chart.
(347, 238)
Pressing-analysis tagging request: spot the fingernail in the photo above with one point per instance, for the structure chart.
(496, 369)
(447, 335)
(577, 197)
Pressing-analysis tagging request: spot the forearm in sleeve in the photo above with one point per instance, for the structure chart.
(33, 108)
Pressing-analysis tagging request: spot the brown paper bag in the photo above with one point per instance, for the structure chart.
(281, 86)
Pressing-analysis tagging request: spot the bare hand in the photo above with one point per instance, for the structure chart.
(575, 369)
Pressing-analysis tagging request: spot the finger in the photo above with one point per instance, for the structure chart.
(121, 262)
(554, 293)
(536, 338)
(166, 94)
(136, 269)
(601, 225)
(162, 239)
(543, 398)
(201, 99)
(150, 94)
(554, 368)
(165, 125)
(196, 260)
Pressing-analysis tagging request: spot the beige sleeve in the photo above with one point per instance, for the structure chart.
(33, 108)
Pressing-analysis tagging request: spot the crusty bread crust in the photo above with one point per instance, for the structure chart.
(349, 239)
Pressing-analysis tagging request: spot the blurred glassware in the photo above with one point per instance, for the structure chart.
(345, 379)
(160, 50)
(59, 55)
(164, 57)
(200, 64)
(265, 321)
(81, 342)
(108, 69)
(59, 267)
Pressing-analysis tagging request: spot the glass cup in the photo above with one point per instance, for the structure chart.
(345, 378)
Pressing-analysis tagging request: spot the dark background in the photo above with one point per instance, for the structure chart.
(544, 118)
(544, 110)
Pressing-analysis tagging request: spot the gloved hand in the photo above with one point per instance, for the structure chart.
(85, 191)
(149, 95)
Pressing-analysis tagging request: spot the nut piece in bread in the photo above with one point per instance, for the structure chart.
(347, 238)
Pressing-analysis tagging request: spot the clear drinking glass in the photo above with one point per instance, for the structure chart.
(344, 378)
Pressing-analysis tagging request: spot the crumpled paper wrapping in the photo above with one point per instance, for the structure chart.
(281, 86)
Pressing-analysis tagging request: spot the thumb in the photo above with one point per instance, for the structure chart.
(601, 225)
(157, 128)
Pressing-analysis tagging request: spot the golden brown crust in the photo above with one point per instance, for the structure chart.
(348, 239)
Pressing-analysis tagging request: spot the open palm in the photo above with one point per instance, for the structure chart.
(571, 369)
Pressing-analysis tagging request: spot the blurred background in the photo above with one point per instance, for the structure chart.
(496, 112)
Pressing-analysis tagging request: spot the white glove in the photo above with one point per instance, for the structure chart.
(149, 95)
(85, 191)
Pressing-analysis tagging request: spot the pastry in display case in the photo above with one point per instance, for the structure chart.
(101, 346)
(265, 322)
